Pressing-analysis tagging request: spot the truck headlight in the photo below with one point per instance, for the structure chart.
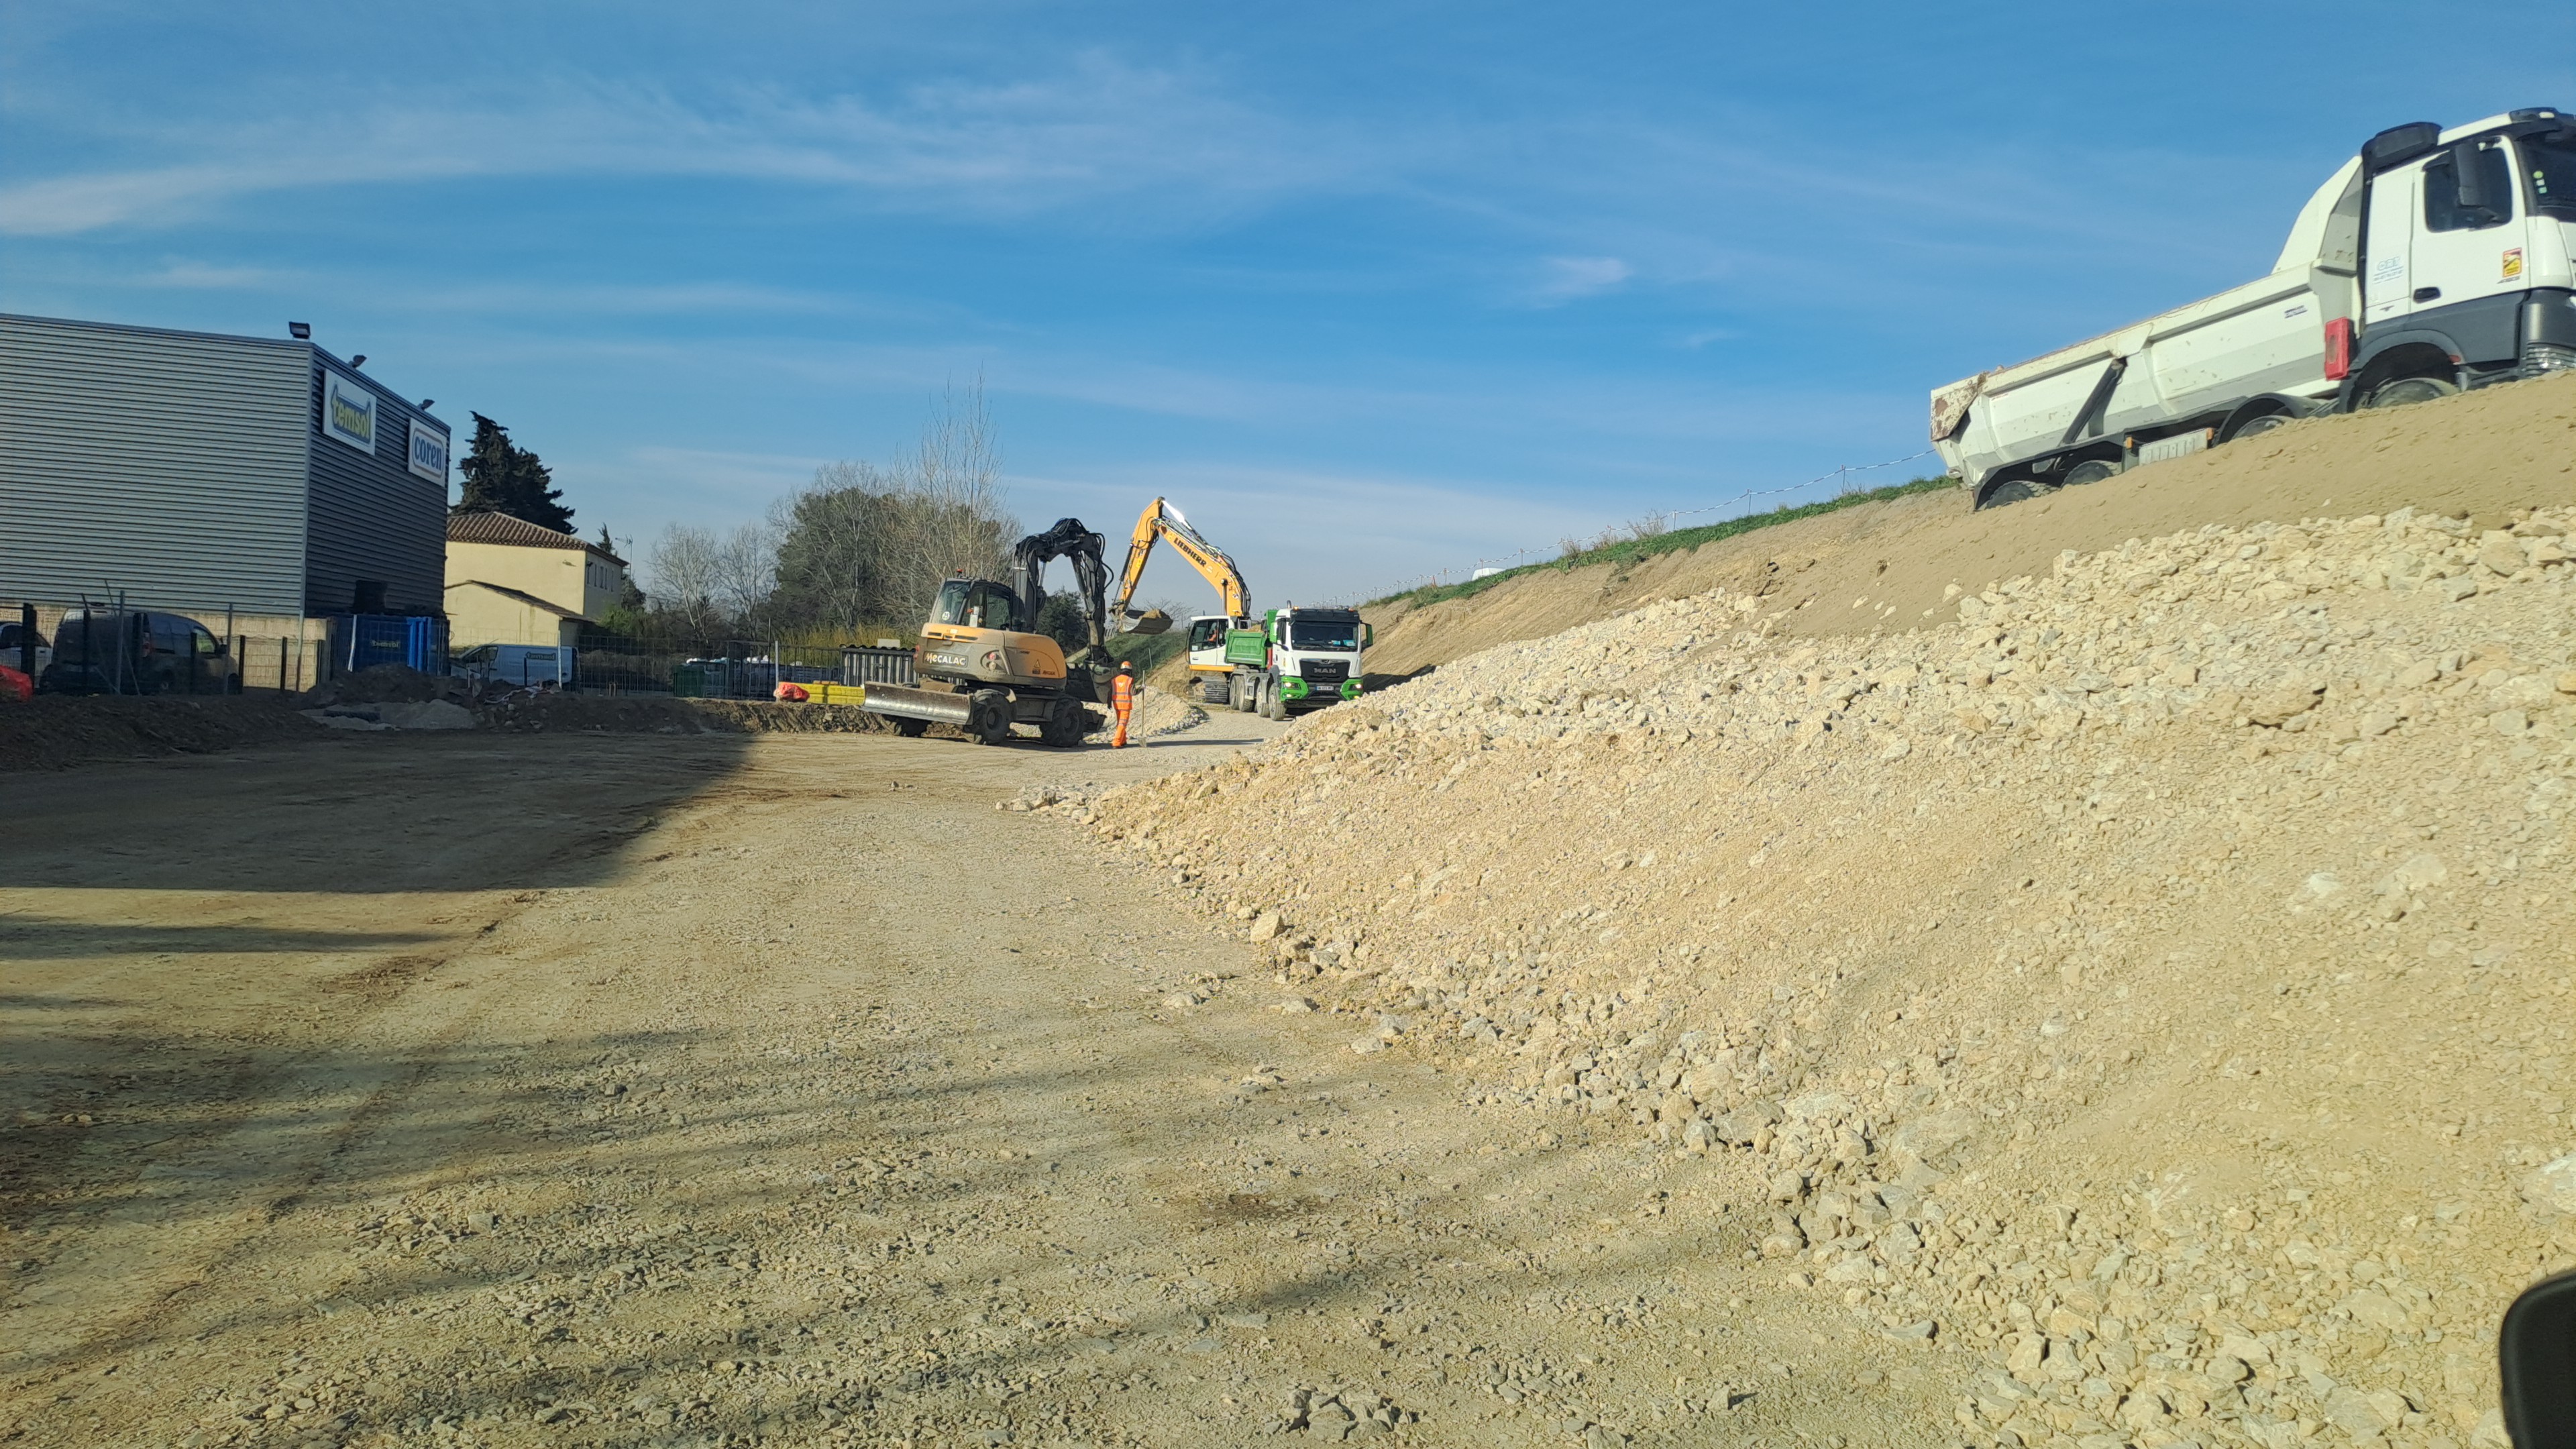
(1350, 689)
(1292, 688)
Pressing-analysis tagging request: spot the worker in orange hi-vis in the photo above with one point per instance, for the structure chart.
(1122, 700)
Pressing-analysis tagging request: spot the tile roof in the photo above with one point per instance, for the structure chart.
(485, 527)
(523, 597)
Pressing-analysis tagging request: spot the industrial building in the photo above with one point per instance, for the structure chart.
(260, 480)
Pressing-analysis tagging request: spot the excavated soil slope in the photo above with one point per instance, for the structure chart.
(2154, 977)
(53, 731)
(1882, 566)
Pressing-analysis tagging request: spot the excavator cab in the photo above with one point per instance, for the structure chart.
(978, 604)
(980, 633)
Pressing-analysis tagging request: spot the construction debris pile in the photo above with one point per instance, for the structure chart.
(2155, 981)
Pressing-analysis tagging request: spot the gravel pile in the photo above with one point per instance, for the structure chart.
(1157, 713)
(2155, 980)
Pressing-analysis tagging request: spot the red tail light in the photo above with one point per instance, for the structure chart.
(2338, 348)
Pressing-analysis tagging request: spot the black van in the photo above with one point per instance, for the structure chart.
(137, 651)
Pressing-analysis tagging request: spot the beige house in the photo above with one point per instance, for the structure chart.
(512, 582)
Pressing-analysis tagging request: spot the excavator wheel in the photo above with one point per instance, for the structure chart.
(988, 719)
(1216, 691)
(911, 729)
(1065, 725)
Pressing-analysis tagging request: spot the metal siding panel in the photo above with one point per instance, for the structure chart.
(372, 517)
(169, 465)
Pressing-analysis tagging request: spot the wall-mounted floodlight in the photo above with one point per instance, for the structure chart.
(358, 361)
(427, 403)
(300, 331)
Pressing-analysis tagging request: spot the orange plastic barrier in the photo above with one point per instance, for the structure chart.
(14, 685)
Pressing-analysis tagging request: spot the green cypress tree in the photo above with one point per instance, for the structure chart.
(502, 477)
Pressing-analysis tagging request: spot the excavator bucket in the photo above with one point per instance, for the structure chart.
(1152, 621)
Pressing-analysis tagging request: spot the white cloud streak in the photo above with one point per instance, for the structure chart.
(1571, 278)
(1098, 129)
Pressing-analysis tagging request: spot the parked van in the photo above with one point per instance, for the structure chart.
(137, 651)
(524, 665)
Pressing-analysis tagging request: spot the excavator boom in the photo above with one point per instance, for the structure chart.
(1161, 520)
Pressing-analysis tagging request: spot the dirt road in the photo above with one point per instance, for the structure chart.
(726, 1090)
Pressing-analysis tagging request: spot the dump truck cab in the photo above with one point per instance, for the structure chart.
(1310, 658)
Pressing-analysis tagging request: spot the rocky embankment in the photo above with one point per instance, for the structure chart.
(2155, 981)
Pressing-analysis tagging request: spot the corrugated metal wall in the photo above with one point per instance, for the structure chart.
(372, 517)
(168, 464)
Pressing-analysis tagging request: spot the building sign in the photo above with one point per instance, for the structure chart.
(348, 412)
(428, 452)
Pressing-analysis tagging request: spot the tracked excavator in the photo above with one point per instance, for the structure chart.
(984, 666)
(1212, 637)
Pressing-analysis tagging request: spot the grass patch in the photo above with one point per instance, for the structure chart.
(1147, 651)
(1632, 551)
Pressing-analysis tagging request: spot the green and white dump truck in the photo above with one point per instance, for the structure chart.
(1298, 660)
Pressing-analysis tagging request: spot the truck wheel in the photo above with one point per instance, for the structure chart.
(1247, 693)
(1278, 703)
(2092, 470)
(2255, 427)
(2018, 490)
(2411, 390)
(911, 729)
(988, 719)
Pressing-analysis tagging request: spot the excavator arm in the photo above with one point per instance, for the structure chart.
(1067, 540)
(1162, 521)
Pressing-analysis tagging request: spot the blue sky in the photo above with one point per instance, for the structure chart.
(1372, 290)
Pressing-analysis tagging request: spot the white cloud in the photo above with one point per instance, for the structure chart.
(643, 488)
(1308, 534)
(1571, 278)
(1096, 129)
(201, 276)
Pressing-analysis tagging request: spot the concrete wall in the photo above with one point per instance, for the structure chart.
(480, 614)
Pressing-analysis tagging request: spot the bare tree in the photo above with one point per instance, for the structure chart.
(954, 513)
(684, 574)
(746, 569)
(864, 544)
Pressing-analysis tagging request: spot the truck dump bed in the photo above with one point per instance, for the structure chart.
(2173, 369)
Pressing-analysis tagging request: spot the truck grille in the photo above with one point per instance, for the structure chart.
(1323, 671)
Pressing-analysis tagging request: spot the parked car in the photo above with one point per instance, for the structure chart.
(137, 651)
(25, 649)
(525, 665)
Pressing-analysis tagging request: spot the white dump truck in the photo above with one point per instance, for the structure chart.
(2434, 261)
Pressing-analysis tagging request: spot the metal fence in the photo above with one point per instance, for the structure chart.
(126, 648)
(741, 669)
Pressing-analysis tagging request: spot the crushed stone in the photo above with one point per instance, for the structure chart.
(2153, 978)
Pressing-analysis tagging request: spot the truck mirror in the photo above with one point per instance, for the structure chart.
(2536, 1350)
(2472, 179)
(1368, 635)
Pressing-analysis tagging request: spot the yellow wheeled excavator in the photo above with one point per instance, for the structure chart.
(1210, 670)
(984, 666)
